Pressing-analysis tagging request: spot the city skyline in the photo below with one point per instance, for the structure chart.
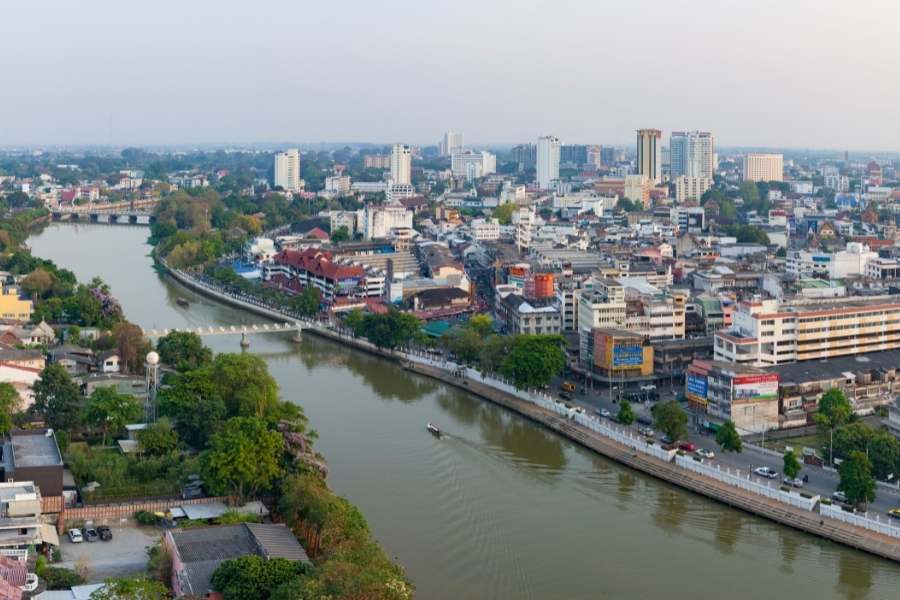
(168, 80)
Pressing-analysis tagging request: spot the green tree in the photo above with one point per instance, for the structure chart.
(481, 324)
(671, 420)
(131, 588)
(9, 405)
(183, 350)
(503, 213)
(37, 283)
(57, 397)
(109, 411)
(254, 578)
(792, 466)
(728, 439)
(308, 302)
(196, 405)
(243, 458)
(625, 415)
(391, 330)
(495, 349)
(245, 384)
(834, 409)
(158, 438)
(341, 234)
(628, 205)
(465, 343)
(856, 479)
(534, 360)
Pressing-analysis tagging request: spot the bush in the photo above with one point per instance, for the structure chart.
(57, 578)
(785, 488)
(146, 518)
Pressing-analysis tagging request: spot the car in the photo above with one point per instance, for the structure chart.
(75, 536)
(665, 439)
(894, 512)
(687, 446)
(839, 497)
(91, 535)
(704, 453)
(647, 432)
(795, 482)
(766, 472)
(565, 395)
(605, 414)
(644, 420)
(105, 533)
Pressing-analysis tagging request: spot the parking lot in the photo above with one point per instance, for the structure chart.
(125, 554)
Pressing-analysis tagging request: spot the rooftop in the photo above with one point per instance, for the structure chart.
(35, 448)
(835, 368)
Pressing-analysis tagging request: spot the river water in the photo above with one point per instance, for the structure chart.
(499, 508)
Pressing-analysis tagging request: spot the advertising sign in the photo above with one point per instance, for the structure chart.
(627, 356)
(696, 386)
(755, 388)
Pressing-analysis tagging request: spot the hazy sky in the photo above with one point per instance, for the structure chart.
(791, 73)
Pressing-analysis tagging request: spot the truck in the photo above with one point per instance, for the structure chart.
(568, 386)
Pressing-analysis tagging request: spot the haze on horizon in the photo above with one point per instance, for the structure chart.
(796, 73)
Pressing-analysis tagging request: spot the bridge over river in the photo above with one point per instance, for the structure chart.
(135, 212)
(243, 330)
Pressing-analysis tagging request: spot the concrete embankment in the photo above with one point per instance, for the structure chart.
(804, 520)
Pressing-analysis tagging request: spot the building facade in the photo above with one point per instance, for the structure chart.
(548, 150)
(691, 188)
(401, 164)
(763, 167)
(287, 170)
(450, 144)
(691, 154)
(649, 154)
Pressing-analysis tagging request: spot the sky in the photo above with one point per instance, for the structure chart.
(787, 73)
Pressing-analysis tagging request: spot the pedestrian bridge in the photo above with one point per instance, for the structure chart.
(136, 212)
(242, 330)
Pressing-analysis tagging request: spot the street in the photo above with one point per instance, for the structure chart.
(822, 481)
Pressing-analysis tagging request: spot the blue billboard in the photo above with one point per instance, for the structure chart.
(696, 385)
(627, 356)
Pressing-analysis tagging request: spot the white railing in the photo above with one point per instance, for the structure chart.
(836, 512)
(19, 554)
(745, 481)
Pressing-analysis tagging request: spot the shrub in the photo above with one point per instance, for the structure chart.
(146, 518)
(57, 578)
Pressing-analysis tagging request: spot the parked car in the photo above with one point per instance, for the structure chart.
(91, 535)
(644, 420)
(894, 512)
(766, 472)
(647, 432)
(105, 533)
(75, 536)
(687, 446)
(704, 453)
(605, 413)
(796, 482)
(839, 497)
(565, 395)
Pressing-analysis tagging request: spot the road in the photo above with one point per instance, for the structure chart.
(822, 481)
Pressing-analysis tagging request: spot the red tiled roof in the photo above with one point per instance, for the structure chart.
(317, 233)
(318, 262)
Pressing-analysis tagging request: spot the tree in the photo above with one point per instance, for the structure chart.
(109, 411)
(308, 302)
(791, 466)
(728, 439)
(671, 420)
(254, 578)
(534, 360)
(57, 397)
(341, 234)
(37, 283)
(834, 409)
(388, 331)
(503, 213)
(481, 324)
(495, 350)
(625, 415)
(628, 205)
(131, 345)
(464, 342)
(158, 438)
(183, 350)
(243, 458)
(856, 479)
(244, 383)
(196, 405)
(131, 588)
(9, 405)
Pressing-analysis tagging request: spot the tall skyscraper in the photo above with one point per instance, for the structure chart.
(452, 143)
(649, 159)
(691, 154)
(401, 164)
(764, 167)
(547, 161)
(287, 170)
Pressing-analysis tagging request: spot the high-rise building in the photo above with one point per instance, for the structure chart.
(287, 170)
(547, 161)
(401, 164)
(608, 156)
(691, 188)
(472, 165)
(594, 156)
(764, 167)
(525, 155)
(452, 143)
(575, 154)
(691, 154)
(649, 159)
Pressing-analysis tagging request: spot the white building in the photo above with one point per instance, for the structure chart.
(379, 220)
(338, 184)
(691, 154)
(287, 170)
(764, 167)
(691, 188)
(547, 161)
(844, 263)
(451, 143)
(401, 164)
(398, 191)
(524, 220)
(472, 165)
(486, 230)
(351, 219)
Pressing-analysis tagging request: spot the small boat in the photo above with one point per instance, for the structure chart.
(433, 430)
(182, 302)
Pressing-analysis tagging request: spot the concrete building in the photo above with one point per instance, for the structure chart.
(450, 144)
(21, 524)
(351, 219)
(602, 305)
(637, 189)
(528, 316)
(338, 184)
(12, 306)
(380, 219)
(621, 354)
(691, 188)
(33, 455)
(766, 332)
(763, 167)
(472, 165)
(649, 159)
(745, 395)
(548, 148)
(401, 164)
(850, 262)
(485, 230)
(691, 154)
(287, 170)
(690, 219)
(524, 220)
(377, 161)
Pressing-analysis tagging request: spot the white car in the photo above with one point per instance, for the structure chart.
(704, 453)
(75, 536)
(605, 413)
(766, 472)
(797, 482)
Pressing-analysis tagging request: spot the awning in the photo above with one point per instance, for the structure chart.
(48, 534)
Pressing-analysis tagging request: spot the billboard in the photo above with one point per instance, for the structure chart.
(696, 386)
(627, 356)
(755, 388)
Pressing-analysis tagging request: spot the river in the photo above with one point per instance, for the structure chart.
(499, 508)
